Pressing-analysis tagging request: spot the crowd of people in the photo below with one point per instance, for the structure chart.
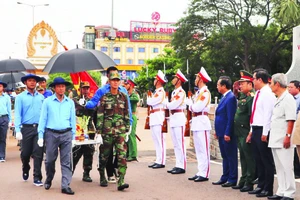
(259, 118)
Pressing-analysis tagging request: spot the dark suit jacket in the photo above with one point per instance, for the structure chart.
(225, 112)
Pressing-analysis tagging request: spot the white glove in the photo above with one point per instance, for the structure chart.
(99, 139)
(73, 143)
(127, 134)
(82, 101)
(188, 101)
(40, 142)
(19, 136)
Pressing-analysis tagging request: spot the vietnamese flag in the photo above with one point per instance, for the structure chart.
(81, 77)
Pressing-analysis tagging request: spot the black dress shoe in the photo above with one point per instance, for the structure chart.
(228, 184)
(193, 178)
(287, 198)
(246, 189)
(201, 179)
(218, 182)
(122, 187)
(157, 166)
(47, 185)
(255, 191)
(237, 187)
(170, 171)
(178, 171)
(275, 197)
(150, 166)
(67, 191)
(264, 193)
(255, 181)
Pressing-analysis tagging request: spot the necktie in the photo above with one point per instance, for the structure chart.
(254, 107)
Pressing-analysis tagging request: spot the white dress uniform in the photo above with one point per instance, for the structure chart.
(201, 126)
(157, 116)
(283, 111)
(177, 122)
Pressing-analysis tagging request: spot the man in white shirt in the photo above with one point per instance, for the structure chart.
(282, 124)
(260, 121)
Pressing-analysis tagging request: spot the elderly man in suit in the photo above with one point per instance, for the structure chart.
(224, 132)
(282, 124)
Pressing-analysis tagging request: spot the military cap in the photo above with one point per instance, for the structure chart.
(203, 75)
(161, 77)
(130, 82)
(114, 75)
(245, 76)
(181, 76)
(84, 84)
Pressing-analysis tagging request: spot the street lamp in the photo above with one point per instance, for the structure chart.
(112, 32)
(32, 6)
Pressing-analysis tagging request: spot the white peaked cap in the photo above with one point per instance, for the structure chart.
(181, 76)
(204, 76)
(161, 77)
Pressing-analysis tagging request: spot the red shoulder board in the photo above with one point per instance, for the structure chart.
(159, 90)
(180, 90)
(205, 90)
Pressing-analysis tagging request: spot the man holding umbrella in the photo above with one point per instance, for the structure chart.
(28, 106)
(5, 118)
(57, 126)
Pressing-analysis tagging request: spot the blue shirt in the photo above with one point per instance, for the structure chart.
(28, 108)
(5, 105)
(47, 93)
(297, 98)
(57, 115)
(103, 90)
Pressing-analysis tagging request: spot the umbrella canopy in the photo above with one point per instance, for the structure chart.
(15, 65)
(12, 78)
(78, 60)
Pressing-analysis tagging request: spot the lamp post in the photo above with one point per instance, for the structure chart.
(112, 34)
(32, 6)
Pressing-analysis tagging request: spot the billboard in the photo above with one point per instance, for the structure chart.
(141, 31)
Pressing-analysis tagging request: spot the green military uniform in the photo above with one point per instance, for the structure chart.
(132, 144)
(241, 130)
(86, 150)
(113, 123)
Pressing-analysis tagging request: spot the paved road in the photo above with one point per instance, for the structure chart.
(145, 183)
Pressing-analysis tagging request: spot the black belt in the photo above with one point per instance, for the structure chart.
(257, 127)
(59, 131)
(4, 115)
(30, 125)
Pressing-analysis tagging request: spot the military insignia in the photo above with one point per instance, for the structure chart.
(156, 95)
(252, 94)
(243, 100)
(159, 90)
(176, 97)
(180, 90)
(202, 98)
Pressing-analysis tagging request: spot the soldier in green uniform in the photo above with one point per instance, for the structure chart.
(86, 150)
(134, 99)
(113, 124)
(242, 129)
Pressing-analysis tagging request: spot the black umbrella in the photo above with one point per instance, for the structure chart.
(15, 65)
(12, 78)
(78, 60)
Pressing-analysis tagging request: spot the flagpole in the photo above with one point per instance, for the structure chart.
(187, 66)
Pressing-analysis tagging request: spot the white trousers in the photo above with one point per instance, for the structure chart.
(284, 163)
(177, 134)
(159, 140)
(202, 145)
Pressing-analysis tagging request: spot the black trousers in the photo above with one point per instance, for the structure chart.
(112, 164)
(296, 164)
(264, 160)
(31, 148)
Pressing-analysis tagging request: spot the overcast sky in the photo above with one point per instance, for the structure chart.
(68, 18)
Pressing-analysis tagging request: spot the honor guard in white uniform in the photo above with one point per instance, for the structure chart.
(201, 126)
(157, 117)
(177, 122)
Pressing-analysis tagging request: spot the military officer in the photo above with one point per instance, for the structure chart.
(113, 123)
(157, 117)
(241, 130)
(201, 127)
(86, 150)
(177, 122)
(134, 99)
